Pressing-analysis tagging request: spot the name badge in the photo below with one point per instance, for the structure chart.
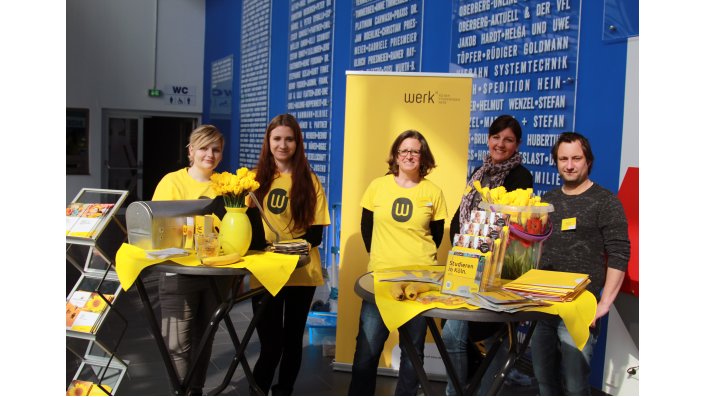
(568, 224)
(425, 202)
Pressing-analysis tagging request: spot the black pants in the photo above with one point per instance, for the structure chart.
(187, 304)
(281, 332)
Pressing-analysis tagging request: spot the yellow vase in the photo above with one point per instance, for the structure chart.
(235, 231)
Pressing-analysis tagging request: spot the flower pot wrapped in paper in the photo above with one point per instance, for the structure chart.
(529, 226)
(235, 228)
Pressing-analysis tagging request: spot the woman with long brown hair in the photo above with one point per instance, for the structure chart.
(294, 202)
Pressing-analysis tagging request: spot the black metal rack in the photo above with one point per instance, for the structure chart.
(99, 362)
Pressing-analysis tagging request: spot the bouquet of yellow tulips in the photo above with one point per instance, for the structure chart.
(234, 187)
(529, 226)
(523, 198)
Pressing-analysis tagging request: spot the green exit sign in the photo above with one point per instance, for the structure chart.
(153, 92)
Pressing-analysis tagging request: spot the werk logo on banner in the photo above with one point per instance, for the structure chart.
(419, 97)
(429, 97)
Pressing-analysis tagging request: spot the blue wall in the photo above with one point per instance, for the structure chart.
(599, 85)
(600, 96)
(223, 19)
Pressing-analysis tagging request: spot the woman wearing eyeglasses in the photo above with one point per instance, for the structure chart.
(501, 167)
(403, 215)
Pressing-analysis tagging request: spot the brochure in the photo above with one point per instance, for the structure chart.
(82, 220)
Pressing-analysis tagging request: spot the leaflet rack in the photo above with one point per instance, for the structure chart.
(97, 288)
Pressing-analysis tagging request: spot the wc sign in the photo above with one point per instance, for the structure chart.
(180, 95)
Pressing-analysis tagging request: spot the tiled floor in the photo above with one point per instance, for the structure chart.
(146, 374)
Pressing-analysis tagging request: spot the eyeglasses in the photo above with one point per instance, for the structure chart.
(413, 153)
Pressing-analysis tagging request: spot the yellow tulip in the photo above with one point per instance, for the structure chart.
(523, 196)
(234, 186)
(513, 217)
(525, 216)
(477, 185)
(497, 193)
(511, 197)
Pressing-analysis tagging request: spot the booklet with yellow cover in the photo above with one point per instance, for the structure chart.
(550, 279)
(549, 285)
(463, 273)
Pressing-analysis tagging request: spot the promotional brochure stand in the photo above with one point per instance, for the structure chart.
(92, 297)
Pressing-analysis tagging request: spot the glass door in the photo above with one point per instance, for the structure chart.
(142, 148)
(123, 160)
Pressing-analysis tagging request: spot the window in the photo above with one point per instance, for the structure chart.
(76, 141)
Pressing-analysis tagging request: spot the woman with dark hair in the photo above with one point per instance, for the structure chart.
(501, 167)
(397, 238)
(295, 203)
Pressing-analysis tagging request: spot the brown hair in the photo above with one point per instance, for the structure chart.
(568, 137)
(303, 192)
(503, 122)
(426, 160)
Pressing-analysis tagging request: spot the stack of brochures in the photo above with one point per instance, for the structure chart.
(84, 309)
(87, 388)
(297, 246)
(82, 219)
(502, 301)
(549, 285)
(419, 276)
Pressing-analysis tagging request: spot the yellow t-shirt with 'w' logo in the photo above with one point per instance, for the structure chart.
(277, 208)
(401, 236)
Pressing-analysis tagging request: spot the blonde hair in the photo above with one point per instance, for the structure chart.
(203, 136)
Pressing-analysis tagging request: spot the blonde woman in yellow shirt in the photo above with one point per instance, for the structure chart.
(187, 302)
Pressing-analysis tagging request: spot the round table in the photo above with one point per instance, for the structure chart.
(364, 287)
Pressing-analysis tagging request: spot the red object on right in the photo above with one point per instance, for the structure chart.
(629, 196)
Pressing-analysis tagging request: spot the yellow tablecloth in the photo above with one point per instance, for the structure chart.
(272, 270)
(577, 315)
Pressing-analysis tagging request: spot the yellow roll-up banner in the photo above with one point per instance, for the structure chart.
(378, 107)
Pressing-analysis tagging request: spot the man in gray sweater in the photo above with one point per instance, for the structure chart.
(589, 236)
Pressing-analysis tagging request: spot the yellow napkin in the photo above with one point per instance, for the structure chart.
(577, 315)
(273, 270)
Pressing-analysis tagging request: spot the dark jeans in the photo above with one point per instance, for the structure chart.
(371, 336)
(560, 368)
(457, 335)
(281, 331)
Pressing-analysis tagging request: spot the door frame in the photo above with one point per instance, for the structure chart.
(140, 115)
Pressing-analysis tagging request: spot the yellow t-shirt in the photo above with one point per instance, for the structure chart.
(401, 236)
(277, 209)
(179, 185)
